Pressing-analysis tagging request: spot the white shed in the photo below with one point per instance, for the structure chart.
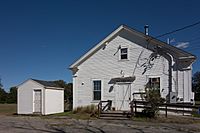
(39, 97)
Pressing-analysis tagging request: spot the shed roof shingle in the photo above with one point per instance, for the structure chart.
(46, 83)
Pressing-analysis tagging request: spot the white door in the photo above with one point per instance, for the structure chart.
(37, 101)
(123, 96)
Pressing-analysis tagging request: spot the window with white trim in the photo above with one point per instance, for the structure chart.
(124, 53)
(97, 90)
(154, 83)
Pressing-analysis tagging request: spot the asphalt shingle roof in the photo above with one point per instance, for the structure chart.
(46, 83)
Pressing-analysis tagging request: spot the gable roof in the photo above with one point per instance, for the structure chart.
(181, 54)
(46, 83)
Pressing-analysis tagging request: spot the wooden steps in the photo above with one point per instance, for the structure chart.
(115, 115)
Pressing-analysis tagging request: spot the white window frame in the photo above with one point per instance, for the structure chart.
(121, 53)
(157, 76)
(94, 90)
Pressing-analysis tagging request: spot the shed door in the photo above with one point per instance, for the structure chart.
(123, 96)
(37, 101)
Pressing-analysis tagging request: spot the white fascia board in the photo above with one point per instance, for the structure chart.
(188, 57)
(107, 39)
(29, 80)
(93, 50)
(54, 88)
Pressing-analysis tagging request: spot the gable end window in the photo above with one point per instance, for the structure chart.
(124, 53)
(97, 90)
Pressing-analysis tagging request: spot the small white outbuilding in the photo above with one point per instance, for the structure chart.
(39, 97)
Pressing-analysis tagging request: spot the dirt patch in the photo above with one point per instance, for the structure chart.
(66, 124)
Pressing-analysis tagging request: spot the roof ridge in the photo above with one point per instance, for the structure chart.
(137, 32)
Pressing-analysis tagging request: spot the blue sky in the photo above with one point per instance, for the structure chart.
(41, 38)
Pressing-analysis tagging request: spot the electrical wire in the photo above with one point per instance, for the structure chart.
(180, 29)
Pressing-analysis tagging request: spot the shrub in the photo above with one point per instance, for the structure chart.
(154, 100)
(89, 109)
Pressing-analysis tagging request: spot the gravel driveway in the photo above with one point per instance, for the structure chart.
(24, 124)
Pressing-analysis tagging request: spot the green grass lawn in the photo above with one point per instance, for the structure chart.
(197, 102)
(8, 109)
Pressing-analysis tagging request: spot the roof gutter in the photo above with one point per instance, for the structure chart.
(189, 57)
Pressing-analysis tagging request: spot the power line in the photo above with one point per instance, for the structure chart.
(173, 31)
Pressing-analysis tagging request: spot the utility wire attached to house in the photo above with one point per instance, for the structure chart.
(194, 40)
(180, 29)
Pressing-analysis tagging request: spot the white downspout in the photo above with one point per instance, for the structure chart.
(177, 79)
(183, 88)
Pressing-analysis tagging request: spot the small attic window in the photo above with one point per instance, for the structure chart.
(124, 53)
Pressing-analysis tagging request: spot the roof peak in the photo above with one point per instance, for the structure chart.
(131, 30)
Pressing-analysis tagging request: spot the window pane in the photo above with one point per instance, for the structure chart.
(97, 95)
(97, 89)
(124, 51)
(155, 80)
(97, 85)
(154, 83)
(124, 56)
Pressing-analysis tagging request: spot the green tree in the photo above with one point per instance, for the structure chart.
(12, 95)
(3, 94)
(196, 85)
(60, 83)
(69, 94)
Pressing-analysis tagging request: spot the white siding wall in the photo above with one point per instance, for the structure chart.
(104, 65)
(25, 97)
(74, 92)
(54, 101)
(185, 86)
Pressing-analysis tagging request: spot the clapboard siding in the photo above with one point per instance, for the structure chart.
(52, 99)
(104, 65)
(185, 85)
(25, 97)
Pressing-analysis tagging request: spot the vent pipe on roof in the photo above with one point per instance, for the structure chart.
(146, 29)
(168, 41)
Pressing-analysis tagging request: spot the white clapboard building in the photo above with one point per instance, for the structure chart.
(124, 63)
(39, 97)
